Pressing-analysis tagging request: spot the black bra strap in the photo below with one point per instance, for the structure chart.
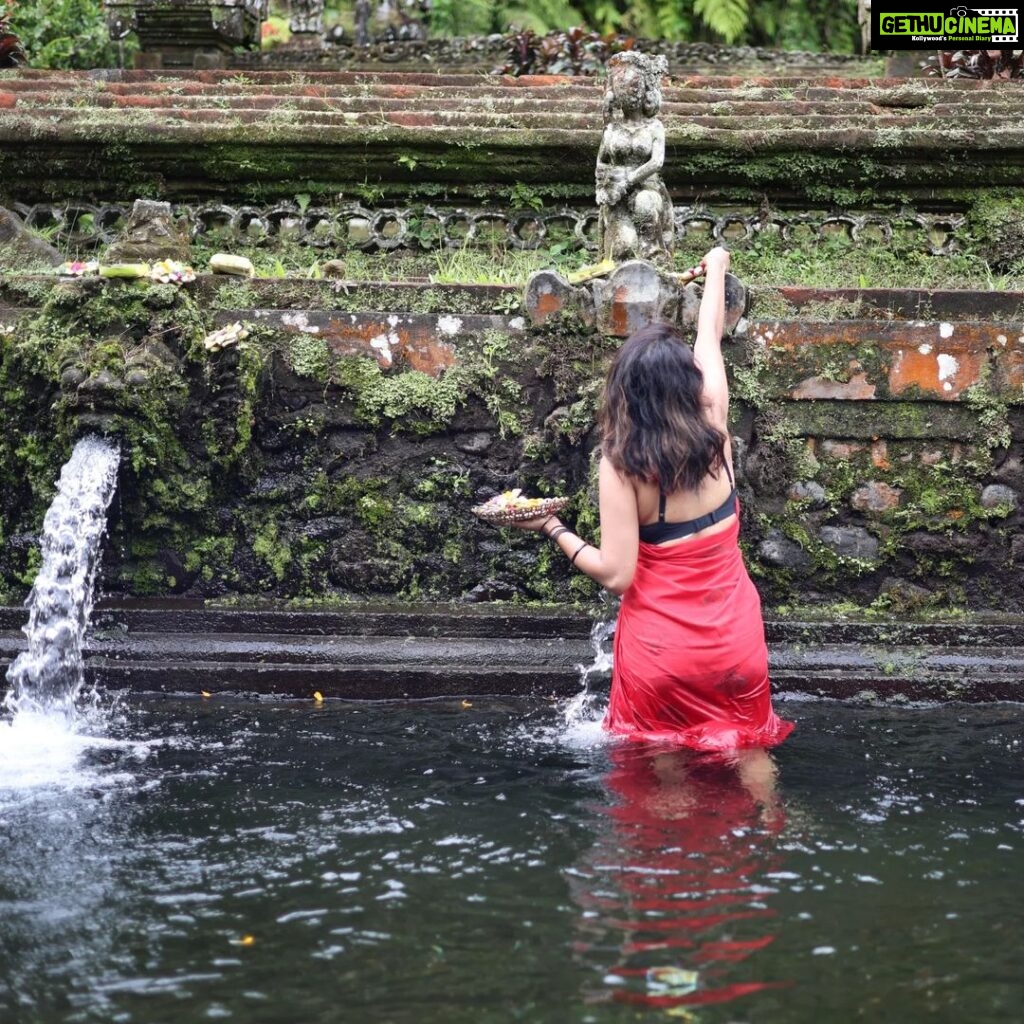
(661, 493)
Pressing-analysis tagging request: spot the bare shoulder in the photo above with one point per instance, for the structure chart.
(609, 476)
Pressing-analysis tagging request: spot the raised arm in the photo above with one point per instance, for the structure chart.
(707, 349)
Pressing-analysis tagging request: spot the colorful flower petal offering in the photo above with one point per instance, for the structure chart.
(225, 337)
(78, 268)
(172, 272)
(512, 507)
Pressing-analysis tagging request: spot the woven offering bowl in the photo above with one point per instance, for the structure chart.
(511, 507)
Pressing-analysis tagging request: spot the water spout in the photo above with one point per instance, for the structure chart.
(587, 707)
(48, 677)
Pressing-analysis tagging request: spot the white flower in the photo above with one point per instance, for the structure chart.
(172, 272)
(226, 337)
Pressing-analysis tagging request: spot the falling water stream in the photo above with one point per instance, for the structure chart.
(46, 679)
(584, 711)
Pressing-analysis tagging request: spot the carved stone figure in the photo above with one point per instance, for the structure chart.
(635, 211)
(864, 20)
(150, 234)
(362, 22)
(307, 17)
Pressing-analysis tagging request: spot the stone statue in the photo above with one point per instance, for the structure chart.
(635, 212)
(362, 22)
(151, 233)
(307, 17)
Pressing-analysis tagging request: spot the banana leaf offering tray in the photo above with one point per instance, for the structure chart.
(513, 507)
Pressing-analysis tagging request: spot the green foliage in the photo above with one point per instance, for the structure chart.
(64, 33)
(769, 260)
(727, 18)
(813, 25)
(479, 17)
(524, 197)
(996, 220)
(309, 356)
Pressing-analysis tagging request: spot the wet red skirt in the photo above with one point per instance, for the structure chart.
(690, 661)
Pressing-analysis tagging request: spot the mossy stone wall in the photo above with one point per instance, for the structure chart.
(303, 465)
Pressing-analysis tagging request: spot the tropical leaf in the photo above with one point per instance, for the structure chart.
(604, 16)
(461, 17)
(674, 22)
(540, 15)
(728, 18)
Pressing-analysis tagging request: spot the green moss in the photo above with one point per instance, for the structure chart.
(411, 400)
(235, 294)
(309, 356)
(268, 546)
(210, 556)
(996, 224)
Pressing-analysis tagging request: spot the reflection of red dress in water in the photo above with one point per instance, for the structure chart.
(678, 883)
(690, 662)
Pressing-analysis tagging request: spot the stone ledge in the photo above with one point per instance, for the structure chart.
(394, 652)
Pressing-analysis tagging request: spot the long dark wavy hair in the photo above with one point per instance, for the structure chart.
(653, 418)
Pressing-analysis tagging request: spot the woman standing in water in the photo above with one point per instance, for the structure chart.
(690, 660)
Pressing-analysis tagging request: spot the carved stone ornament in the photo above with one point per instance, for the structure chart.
(307, 17)
(150, 234)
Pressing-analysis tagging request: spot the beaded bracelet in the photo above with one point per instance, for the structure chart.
(572, 561)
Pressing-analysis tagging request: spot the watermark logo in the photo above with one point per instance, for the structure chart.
(895, 27)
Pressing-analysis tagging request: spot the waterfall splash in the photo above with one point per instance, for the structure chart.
(583, 714)
(46, 679)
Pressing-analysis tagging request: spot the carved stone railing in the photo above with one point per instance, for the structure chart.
(85, 225)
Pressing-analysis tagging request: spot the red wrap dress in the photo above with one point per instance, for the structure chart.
(690, 664)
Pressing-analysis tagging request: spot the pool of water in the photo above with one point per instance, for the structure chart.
(447, 863)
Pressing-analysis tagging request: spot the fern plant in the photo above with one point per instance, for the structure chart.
(728, 18)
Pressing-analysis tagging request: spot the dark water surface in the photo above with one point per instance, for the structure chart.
(440, 863)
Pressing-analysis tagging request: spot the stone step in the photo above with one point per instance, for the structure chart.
(148, 130)
(686, 105)
(678, 129)
(916, 304)
(984, 661)
(270, 134)
(893, 314)
(78, 89)
(896, 360)
(778, 86)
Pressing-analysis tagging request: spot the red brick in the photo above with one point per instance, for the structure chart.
(943, 368)
(875, 496)
(855, 389)
(840, 449)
